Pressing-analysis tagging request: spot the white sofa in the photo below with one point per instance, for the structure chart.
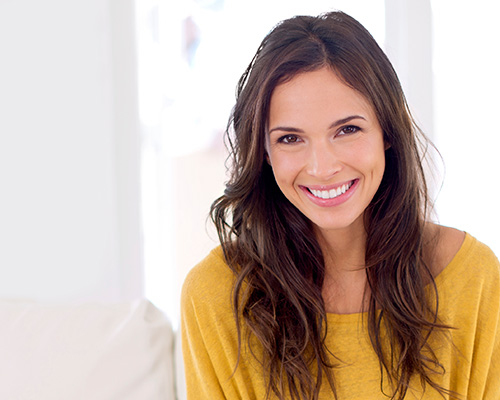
(88, 352)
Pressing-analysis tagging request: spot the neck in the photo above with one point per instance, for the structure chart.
(345, 276)
(343, 250)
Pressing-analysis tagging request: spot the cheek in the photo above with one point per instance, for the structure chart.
(285, 168)
(376, 164)
(370, 156)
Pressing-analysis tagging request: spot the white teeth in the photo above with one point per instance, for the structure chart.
(331, 194)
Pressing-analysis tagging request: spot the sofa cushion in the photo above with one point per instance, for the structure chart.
(90, 351)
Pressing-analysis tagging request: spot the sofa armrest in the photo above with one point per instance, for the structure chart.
(90, 351)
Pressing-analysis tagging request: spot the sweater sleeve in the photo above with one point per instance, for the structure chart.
(485, 372)
(201, 378)
(210, 338)
(492, 382)
(470, 292)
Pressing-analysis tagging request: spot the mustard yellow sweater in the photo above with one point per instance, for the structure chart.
(469, 298)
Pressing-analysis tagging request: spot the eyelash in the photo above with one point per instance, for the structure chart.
(351, 127)
(292, 138)
(286, 139)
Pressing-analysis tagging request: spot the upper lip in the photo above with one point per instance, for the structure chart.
(328, 187)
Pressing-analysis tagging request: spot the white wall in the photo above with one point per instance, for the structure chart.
(448, 62)
(467, 87)
(69, 145)
(408, 44)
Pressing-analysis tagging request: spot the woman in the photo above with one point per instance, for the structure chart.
(330, 282)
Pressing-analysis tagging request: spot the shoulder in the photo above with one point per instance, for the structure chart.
(442, 244)
(209, 283)
(469, 286)
(457, 252)
(478, 259)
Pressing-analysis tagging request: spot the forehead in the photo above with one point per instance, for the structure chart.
(316, 94)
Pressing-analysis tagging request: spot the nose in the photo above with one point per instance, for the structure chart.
(323, 161)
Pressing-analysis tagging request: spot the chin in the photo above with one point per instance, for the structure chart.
(338, 225)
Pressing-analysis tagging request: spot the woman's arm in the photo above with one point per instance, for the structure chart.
(210, 338)
(201, 377)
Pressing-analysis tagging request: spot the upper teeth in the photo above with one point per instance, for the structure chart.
(332, 193)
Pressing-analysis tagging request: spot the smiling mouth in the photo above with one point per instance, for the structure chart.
(332, 193)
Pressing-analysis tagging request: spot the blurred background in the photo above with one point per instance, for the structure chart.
(112, 114)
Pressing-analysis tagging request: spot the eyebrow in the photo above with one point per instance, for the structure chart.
(333, 125)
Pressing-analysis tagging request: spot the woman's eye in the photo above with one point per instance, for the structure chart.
(289, 139)
(347, 130)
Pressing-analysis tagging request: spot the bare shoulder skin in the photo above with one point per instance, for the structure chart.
(441, 245)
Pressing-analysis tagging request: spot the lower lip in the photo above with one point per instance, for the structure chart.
(332, 202)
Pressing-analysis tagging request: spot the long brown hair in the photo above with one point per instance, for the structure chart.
(271, 247)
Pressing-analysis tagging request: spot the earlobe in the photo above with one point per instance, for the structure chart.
(268, 159)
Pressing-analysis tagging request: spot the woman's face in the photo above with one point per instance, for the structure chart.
(326, 149)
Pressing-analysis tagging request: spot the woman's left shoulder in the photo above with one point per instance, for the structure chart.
(442, 245)
(451, 245)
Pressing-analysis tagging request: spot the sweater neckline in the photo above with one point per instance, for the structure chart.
(439, 281)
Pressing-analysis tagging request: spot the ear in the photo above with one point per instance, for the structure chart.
(387, 146)
(266, 150)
